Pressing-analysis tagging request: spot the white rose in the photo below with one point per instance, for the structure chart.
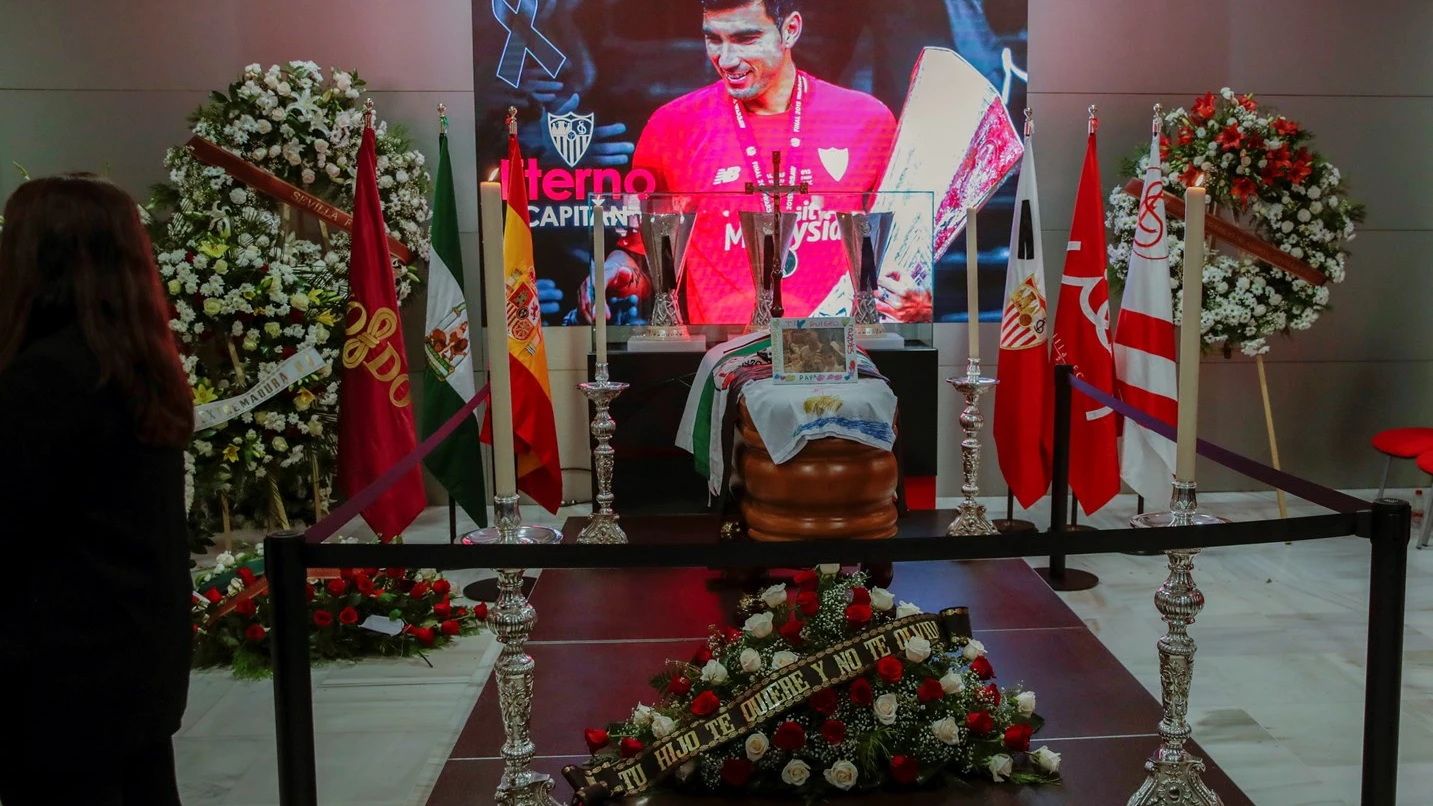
(211, 306)
(332, 170)
(309, 176)
(272, 330)
(756, 746)
(841, 775)
(906, 609)
(1025, 701)
(750, 661)
(259, 153)
(829, 569)
(1046, 760)
(774, 595)
(881, 599)
(221, 266)
(315, 428)
(999, 766)
(714, 673)
(918, 649)
(174, 286)
(946, 730)
(782, 659)
(320, 146)
(224, 558)
(642, 716)
(283, 88)
(885, 708)
(299, 302)
(662, 725)
(759, 625)
(280, 444)
(973, 650)
(264, 126)
(796, 772)
(952, 683)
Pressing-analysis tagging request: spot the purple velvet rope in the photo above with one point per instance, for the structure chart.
(1303, 488)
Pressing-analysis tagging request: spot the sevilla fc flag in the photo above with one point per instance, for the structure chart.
(1082, 339)
(1023, 397)
(539, 470)
(1144, 344)
(375, 424)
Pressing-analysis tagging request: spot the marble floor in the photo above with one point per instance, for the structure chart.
(1277, 699)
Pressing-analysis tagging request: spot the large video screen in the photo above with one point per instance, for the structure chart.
(691, 96)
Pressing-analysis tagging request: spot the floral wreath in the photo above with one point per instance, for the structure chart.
(1258, 166)
(250, 284)
(922, 716)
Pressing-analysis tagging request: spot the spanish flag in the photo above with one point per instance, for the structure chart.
(539, 470)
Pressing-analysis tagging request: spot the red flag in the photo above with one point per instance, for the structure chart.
(1082, 339)
(375, 424)
(1022, 400)
(539, 469)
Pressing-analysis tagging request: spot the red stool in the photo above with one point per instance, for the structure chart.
(1425, 463)
(1402, 443)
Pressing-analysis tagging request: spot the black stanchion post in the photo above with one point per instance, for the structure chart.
(293, 693)
(1057, 575)
(1388, 578)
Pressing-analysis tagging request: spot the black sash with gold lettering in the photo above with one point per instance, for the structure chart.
(774, 694)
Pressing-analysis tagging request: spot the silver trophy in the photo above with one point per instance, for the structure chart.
(866, 237)
(762, 235)
(666, 224)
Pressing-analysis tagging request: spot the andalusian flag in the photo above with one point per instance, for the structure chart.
(448, 384)
(539, 471)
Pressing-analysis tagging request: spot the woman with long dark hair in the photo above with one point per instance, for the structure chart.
(94, 413)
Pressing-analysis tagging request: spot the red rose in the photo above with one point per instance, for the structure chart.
(322, 618)
(364, 584)
(441, 587)
(858, 616)
(450, 627)
(791, 631)
(825, 701)
(480, 611)
(703, 655)
(442, 610)
(337, 587)
(255, 632)
(425, 635)
(309, 592)
(860, 596)
(930, 690)
(833, 731)
(807, 580)
(861, 693)
(982, 668)
(807, 602)
(905, 769)
(348, 616)
(629, 746)
(213, 595)
(706, 703)
(980, 722)
(247, 575)
(789, 736)
(736, 771)
(459, 612)
(596, 739)
(246, 607)
(992, 693)
(679, 686)
(394, 573)
(1203, 108)
(1017, 738)
(890, 668)
(345, 573)
(419, 590)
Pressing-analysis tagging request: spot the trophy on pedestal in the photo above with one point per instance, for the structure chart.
(866, 237)
(666, 224)
(762, 232)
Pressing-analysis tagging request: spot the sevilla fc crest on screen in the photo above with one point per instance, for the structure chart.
(571, 135)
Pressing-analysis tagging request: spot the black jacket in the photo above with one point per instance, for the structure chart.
(95, 631)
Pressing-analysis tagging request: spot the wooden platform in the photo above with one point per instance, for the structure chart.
(602, 633)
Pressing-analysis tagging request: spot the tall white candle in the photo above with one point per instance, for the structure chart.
(972, 281)
(599, 282)
(499, 372)
(1190, 332)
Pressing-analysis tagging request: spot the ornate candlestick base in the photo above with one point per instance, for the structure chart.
(971, 520)
(603, 527)
(1174, 774)
(512, 618)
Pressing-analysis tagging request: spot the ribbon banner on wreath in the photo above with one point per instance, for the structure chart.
(772, 695)
(295, 369)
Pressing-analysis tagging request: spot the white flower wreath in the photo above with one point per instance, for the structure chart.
(1256, 165)
(251, 283)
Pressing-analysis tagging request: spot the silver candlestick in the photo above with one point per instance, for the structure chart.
(1174, 773)
(512, 618)
(971, 521)
(603, 526)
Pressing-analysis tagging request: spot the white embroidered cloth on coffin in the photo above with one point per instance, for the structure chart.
(863, 411)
